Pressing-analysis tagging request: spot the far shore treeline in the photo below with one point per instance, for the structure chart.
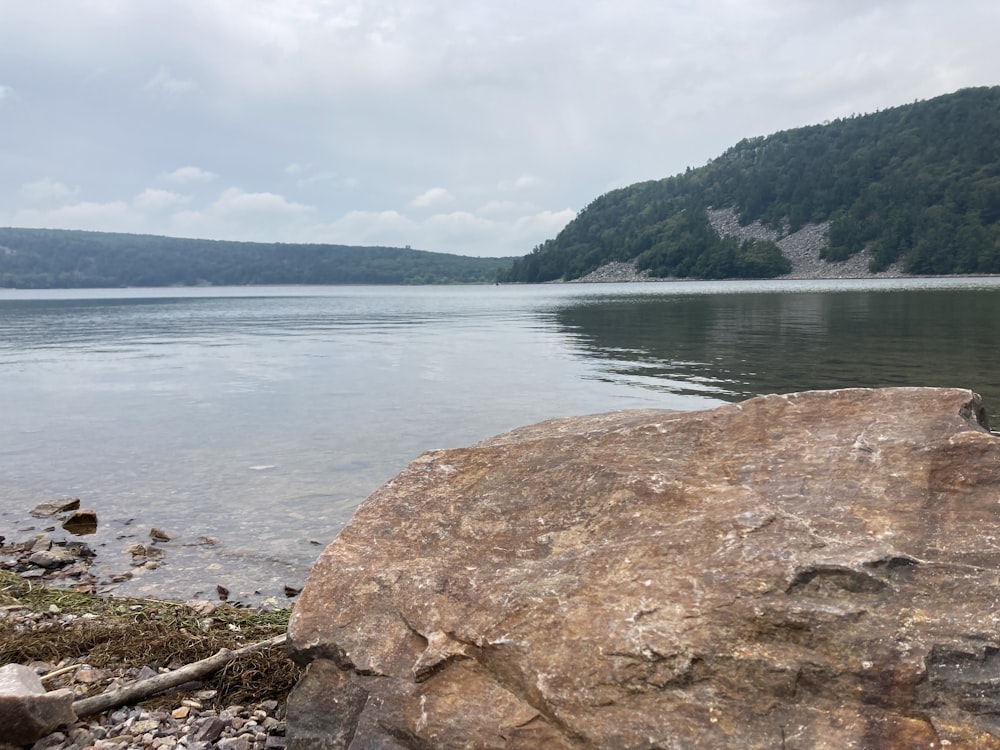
(53, 258)
(918, 185)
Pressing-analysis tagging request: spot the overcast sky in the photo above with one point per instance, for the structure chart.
(468, 126)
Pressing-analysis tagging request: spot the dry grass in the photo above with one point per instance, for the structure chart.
(135, 633)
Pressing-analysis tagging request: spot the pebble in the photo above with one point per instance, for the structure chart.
(256, 727)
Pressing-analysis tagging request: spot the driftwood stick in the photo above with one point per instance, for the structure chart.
(138, 691)
(56, 673)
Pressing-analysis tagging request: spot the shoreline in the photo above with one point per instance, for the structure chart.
(626, 273)
(92, 644)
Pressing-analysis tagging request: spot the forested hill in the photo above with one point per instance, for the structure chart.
(50, 258)
(918, 184)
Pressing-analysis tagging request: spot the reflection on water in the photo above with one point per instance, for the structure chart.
(734, 346)
(262, 417)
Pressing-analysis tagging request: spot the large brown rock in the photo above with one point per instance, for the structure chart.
(816, 570)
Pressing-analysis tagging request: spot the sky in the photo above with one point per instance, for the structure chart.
(473, 127)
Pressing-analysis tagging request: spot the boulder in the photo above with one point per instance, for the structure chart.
(27, 712)
(813, 570)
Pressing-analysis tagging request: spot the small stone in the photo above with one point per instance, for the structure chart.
(235, 743)
(51, 507)
(200, 606)
(82, 736)
(52, 558)
(146, 725)
(89, 676)
(159, 535)
(291, 591)
(41, 544)
(76, 569)
(209, 729)
(146, 673)
(81, 522)
(181, 712)
(50, 742)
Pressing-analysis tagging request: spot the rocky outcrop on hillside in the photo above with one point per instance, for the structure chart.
(802, 248)
(814, 570)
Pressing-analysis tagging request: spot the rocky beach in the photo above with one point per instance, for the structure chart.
(54, 624)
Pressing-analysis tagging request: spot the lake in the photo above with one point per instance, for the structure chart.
(261, 417)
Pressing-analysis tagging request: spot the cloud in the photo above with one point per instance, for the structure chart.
(165, 82)
(434, 196)
(113, 216)
(6, 92)
(320, 177)
(47, 189)
(502, 208)
(521, 183)
(188, 174)
(462, 232)
(548, 223)
(153, 200)
(236, 202)
(240, 215)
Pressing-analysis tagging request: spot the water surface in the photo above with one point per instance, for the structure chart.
(263, 416)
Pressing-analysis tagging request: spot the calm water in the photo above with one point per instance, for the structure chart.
(262, 417)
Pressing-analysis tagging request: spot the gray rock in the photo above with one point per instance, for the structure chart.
(52, 558)
(209, 729)
(51, 507)
(27, 712)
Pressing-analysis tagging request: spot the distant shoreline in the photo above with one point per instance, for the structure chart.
(622, 272)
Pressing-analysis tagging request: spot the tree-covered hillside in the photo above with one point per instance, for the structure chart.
(918, 184)
(49, 258)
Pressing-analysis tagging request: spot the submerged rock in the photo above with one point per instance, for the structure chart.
(81, 522)
(814, 570)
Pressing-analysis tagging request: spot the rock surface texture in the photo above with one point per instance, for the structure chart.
(815, 570)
